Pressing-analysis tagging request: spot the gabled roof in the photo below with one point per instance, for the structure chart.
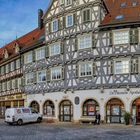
(24, 41)
(122, 11)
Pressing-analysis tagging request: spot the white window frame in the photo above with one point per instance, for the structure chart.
(82, 37)
(67, 21)
(27, 59)
(68, 4)
(79, 66)
(60, 68)
(40, 53)
(120, 32)
(17, 63)
(54, 47)
(54, 30)
(123, 59)
(38, 81)
(27, 77)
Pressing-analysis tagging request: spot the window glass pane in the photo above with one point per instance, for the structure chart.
(40, 53)
(55, 49)
(85, 42)
(56, 73)
(69, 20)
(121, 37)
(41, 76)
(28, 58)
(29, 78)
(55, 25)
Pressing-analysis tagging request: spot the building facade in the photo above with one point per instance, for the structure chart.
(86, 61)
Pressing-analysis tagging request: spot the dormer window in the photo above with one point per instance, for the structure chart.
(68, 2)
(6, 54)
(123, 4)
(134, 3)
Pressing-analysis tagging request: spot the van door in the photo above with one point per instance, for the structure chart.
(26, 117)
(34, 115)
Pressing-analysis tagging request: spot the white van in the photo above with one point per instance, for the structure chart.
(22, 115)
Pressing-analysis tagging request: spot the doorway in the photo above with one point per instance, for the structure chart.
(65, 111)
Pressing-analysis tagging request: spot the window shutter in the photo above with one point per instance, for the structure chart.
(23, 82)
(131, 36)
(59, 24)
(75, 18)
(47, 51)
(14, 65)
(48, 75)
(63, 73)
(76, 44)
(77, 70)
(93, 41)
(137, 65)
(94, 68)
(136, 38)
(88, 15)
(62, 47)
(84, 16)
(16, 83)
(34, 55)
(64, 22)
(35, 77)
(110, 38)
(49, 27)
(132, 68)
(112, 67)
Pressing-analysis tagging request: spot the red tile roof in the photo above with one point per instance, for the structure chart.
(24, 41)
(129, 12)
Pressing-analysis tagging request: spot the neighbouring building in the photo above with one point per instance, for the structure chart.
(85, 58)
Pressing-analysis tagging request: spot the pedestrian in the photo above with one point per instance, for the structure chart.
(98, 118)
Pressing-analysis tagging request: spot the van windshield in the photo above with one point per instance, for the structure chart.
(34, 111)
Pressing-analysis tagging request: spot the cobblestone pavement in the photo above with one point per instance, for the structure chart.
(63, 131)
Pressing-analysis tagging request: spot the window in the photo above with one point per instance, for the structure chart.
(61, 2)
(3, 86)
(122, 66)
(13, 84)
(85, 42)
(19, 82)
(85, 69)
(86, 15)
(68, 2)
(28, 58)
(26, 110)
(119, 17)
(7, 68)
(56, 73)
(134, 3)
(12, 66)
(123, 4)
(121, 37)
(17, 63)
(55, 49)
(29, 78)
(41, 76)
(40, 53)
(69, 20)
(55, 25)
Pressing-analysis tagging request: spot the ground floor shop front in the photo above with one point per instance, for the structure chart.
(84, 104)
(17, 100)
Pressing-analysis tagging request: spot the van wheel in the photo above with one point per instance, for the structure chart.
(20, 122)
(39, 120)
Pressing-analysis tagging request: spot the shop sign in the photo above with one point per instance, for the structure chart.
(12, 97)
(125, 92)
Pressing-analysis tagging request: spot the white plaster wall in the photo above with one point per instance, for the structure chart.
(102, 98)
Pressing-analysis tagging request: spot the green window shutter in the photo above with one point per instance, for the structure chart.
(34, 55)
(136, 36)
(94, 68)
(137, 66)
(132, 66)
(59, 24)
(63, 73)
(84, 16)
(88, 15)
(131, 36)
(35, 77)
(23, 82)
(49, 27)
(64, 22)
(62, 47)
(93, 41)
(48, 75)
(77, 70)
(75, 18)
(76, 44)
(112, 67)
(110, 38)
(16, 83)
(47, 51)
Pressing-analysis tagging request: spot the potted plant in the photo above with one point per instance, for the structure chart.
(127, 117)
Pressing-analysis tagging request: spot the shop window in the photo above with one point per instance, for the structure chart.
(90, 108)
(49, 109)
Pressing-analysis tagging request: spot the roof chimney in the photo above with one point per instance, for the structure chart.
(40, 19)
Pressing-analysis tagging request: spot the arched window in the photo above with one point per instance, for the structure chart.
(48, 108)
(90, 107)
(35, 105)
(115, 111)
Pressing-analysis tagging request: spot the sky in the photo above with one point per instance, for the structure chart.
(18, 17)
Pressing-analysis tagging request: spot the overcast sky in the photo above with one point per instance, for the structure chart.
(18, 17)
